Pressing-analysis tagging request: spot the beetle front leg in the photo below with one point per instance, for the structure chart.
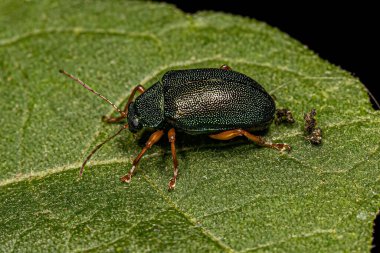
(230, 134)
(171, 136)
(155, 137)
(107, 119)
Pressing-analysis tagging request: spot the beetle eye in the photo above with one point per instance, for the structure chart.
(135, 122)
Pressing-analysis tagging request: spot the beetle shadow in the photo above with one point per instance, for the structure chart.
(196, 142)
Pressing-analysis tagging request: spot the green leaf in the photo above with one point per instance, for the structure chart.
(232, 196)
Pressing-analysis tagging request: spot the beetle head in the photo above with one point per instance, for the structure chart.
(134, 122)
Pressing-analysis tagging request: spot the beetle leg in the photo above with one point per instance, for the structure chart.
(225, 67)
(155, 137)
(107, 119)
(230, 134)
(171, 136)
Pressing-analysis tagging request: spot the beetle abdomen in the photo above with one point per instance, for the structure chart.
(211, 100)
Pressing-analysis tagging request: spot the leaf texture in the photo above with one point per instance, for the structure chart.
(230, 196)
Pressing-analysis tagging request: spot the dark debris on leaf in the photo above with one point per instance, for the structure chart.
(314, 133)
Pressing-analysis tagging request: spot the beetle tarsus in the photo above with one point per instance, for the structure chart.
(127, 178)
(155, 137)
(172, 183)
(281, 147)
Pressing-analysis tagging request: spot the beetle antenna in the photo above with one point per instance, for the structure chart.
(99, 146)
(93, 91)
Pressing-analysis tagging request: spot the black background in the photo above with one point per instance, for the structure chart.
(345, 35)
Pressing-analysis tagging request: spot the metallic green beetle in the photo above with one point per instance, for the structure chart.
(217, 102)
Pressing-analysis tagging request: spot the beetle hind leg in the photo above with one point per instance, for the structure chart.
(155, 137)
(230, 134)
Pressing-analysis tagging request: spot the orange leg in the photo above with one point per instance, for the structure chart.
(230, 134)
(138, 88)
(171, 136)
(225, 67)
(155, 137)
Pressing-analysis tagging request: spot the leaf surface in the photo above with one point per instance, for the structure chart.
(231, 196)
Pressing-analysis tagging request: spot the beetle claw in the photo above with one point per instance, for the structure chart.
(286, 147)
(127, 178)
(282, 147)
(172, 184)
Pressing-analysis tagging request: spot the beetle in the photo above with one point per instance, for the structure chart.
(217, 102)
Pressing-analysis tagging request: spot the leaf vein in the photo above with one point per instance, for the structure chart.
(77, 31)
(237, 207)
(125, 235)
(77, 165)
(193, 221)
